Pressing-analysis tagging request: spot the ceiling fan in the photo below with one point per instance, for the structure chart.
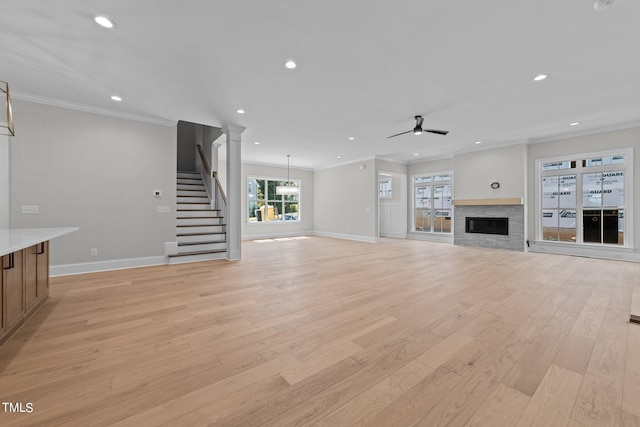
(418, 129)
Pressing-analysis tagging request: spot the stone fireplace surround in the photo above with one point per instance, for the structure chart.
(490, 208)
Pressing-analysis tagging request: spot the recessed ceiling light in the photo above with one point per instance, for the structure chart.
(351, 138)
(574, 124)
(540, 77)
(290, 64)
(478, 142)
(416, 154)
(338, 157)
(116, 98)
(240, 111)
(256, 143)
(103, 21)
(309, 164)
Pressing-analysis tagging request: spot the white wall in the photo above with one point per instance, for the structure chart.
(474, 172)
(4, 181)
(278, 229)
(345, 201)
(588, 144)
(97, 173)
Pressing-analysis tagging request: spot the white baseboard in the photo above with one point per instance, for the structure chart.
(355, 237)
(116, 264)
(276, 235)
(431, 237)
(394, 235)
(611, 253)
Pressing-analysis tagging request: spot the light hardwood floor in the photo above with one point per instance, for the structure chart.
(326, 332)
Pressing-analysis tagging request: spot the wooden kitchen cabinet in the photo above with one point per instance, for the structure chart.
(24, 285)
(13, 280)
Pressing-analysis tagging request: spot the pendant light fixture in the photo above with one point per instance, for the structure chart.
(287, 189)
(6, 113)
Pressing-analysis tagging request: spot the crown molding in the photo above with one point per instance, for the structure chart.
(89, 109)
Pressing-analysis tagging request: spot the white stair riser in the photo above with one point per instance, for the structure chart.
(189, 175)
(201, 238)
(193, 199)
(195, 206)
(191, 187)
(196, 214)
(192, 193)
(202, 247)
(203, 229)
(200, 221)
(196, 258)
(189, 181)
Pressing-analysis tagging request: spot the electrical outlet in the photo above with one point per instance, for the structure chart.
(94, 251)
(164, 209)
(157, 193)
(30, 209)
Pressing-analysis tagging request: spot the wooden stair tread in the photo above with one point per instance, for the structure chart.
(213, 251)
(197, 210)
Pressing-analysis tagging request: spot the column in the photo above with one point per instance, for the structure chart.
(233, 215)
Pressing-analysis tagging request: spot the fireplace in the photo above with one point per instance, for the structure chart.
(487, 225)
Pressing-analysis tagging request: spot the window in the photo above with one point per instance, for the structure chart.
(264, 205)
(432, 211)
(385, 188)
(582, 200)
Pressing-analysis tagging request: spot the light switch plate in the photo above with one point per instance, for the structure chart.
(164, 209)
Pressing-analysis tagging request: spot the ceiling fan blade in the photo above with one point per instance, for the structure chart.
(398, 134)
(439, 132)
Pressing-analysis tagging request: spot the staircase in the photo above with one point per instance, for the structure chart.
(200, 230)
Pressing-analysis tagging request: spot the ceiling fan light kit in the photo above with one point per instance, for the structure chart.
(418, 130)
(602, 4)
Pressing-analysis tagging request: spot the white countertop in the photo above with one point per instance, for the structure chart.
(15, 239)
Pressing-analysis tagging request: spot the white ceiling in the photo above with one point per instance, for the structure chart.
(365, 68)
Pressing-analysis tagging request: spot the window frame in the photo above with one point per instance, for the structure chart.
(278, 181)
(432, 183)
(385, 180)
(580, 170)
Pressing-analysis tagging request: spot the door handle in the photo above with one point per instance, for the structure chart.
(40, 251)
(11, 261)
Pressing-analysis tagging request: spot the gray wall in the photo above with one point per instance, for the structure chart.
(474, 172)
(275, 229)
(4, 181)
(189, 134)
(97, 173)
(345, 201)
